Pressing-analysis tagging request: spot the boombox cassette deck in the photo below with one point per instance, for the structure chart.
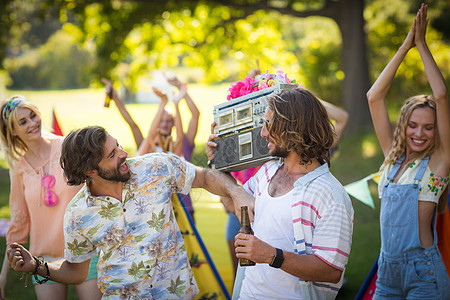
(238, 126)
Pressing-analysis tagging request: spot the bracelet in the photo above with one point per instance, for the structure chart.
(38, 265)
(47, 276)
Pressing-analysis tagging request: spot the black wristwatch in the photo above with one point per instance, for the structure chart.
(277, 259)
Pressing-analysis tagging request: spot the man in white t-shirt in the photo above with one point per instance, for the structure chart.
(303, 218)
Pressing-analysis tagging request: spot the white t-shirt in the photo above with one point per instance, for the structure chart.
(273, 225)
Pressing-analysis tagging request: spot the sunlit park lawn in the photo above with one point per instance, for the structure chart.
(79, 108)
(358, 157)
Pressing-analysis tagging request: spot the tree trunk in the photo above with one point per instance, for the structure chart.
(354, 63)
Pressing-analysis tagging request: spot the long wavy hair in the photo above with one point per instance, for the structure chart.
(399, 144)
(13, 146)
(300, 123)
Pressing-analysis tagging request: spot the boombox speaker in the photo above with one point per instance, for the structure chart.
(241, 151)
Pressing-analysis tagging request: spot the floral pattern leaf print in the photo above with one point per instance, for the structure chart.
(109, 211)
(94, 230)
(437, 183)
(77, 248)
(176, 287)
(157, 221)
(138, 270)
(142, 252)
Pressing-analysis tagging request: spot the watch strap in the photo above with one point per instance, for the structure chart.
(277, 259)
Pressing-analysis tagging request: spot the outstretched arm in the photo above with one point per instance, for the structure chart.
(340, 116)
(223, 184)
(21, 260)
(147, 145)
(137, 134)
(377, 94)
(437, 84)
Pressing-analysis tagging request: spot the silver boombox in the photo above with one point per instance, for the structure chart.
(238, 125)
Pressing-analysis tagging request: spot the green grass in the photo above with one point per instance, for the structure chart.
(79, 108)
(359, 155)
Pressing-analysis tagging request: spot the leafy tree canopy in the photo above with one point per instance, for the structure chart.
(223, 39)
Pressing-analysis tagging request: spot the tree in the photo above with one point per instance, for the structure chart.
(122, 18)
(223, 38)
(348, 14)
(6, 24)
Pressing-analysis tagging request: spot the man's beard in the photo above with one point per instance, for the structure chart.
(278, 151)
(114, 174)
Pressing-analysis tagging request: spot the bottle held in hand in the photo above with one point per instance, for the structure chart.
(108, 96)
(245, 228)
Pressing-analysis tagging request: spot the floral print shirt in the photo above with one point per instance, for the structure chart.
(142, 251)
(431, 185)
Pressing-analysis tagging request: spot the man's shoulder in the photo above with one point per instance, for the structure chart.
(161, 163)
(79, 200)
(328, 187)
(146, 159)
(153, 157)
(329, 180)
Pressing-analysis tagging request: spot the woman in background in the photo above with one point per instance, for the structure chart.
(39, 195)
(414, 175)
(159, 137)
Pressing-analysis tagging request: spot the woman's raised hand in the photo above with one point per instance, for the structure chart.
(421, 23)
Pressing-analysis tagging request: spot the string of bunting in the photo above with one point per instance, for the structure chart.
(360, 189)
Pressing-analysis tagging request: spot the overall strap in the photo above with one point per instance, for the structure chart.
(394, 170)
(421, 170)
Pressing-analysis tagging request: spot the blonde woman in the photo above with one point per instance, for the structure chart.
(414, 175)
(39, 195)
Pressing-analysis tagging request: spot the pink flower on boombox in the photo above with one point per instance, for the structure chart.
(241, 88)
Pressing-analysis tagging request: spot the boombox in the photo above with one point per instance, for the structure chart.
(238, 126)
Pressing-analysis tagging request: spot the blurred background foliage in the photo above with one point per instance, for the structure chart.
(56, 44)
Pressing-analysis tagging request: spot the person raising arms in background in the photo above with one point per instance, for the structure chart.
(414, 175)
(159, 136)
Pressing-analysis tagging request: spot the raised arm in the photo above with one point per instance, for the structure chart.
(179, 143)
(255, 71)
(137, 134)
(377, 94)
(195, 113)
(147, 145)
(340, 116)
(193, 123)
(437, 84)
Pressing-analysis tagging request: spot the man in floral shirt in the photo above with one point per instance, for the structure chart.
(125, 210)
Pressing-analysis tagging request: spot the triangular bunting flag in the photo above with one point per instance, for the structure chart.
(375, 177)
(55, 125)
(360, 190)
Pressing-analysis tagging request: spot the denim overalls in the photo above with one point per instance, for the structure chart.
(406, 270)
